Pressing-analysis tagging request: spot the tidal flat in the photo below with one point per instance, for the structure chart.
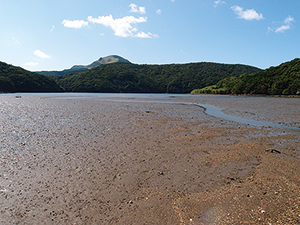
(148, 159)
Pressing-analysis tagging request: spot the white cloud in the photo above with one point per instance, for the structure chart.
(123, 27)
(74, 23)
(249, 14)
(41, 54)
(286, 26)
(218, 2)
(144, 35)
(136, 9)
(52, 29)
(282, 28)
(289, 20)
(31, 64)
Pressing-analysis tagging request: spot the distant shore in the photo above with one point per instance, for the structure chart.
(254, 95)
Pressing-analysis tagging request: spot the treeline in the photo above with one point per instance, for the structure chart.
(16, 79)
(281, 80)
(133, 78)
(72, 70)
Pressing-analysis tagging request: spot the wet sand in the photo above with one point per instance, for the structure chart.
(116, 161)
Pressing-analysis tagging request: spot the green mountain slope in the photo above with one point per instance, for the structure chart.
(173, 78)
(79, 68)
(281, 80)
(16, 79)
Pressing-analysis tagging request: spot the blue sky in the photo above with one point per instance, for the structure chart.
(57, 34)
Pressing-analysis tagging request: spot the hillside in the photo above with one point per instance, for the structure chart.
(107, 60)
(79, 68)
(16, 79)
(172, 78)
(281, 80)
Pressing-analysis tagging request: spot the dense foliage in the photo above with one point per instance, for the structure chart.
(281, 80)
(74, 69)
(127, 77)
(16, 79)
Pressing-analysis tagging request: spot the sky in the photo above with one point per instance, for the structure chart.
(57, 34)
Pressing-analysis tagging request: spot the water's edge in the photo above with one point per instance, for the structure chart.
(208, 109)
(218, 113)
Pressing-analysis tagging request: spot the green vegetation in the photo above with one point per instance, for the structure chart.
(16, 79)
(281, 80)
(127, 77)
(74, 69)
(79, 68)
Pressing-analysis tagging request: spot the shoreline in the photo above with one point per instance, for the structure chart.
(251, 95)
(247, 95)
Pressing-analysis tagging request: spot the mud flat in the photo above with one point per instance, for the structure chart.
(135, 160)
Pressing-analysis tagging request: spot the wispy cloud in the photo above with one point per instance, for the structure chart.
(31, 64)
(289, 20)
(41, 54)
(16, 41)
(286, 26)
(158, 11)
(248, 14)
(77, 24)
(123, 27)
(282, 28)
(136, 9)
(144, 35)
(218, 2)
(52, 29)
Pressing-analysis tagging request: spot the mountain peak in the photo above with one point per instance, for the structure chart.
(107, 60)
(79, 68)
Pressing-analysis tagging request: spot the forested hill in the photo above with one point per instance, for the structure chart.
(280, 80)
(16, 79)
(78, 68)
(172, 78)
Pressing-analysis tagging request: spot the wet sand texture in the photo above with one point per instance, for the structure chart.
(98, 161)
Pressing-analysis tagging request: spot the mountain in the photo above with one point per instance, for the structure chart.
(79, 68)
(280, 80)
(16, 79)
(107, 60)
(134, 78)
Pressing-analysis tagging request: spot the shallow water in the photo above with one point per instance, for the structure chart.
(217, 112)
(171, 99)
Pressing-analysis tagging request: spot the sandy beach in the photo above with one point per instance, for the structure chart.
(134, 160)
